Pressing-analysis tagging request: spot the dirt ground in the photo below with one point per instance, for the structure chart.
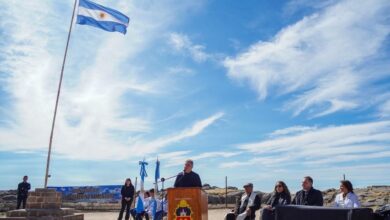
(214, 214)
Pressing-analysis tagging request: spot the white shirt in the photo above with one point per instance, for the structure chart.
(349, 201)
(251, 199)
(162, 205)
(146, 203)
(159, 205)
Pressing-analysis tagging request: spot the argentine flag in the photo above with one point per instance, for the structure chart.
(140, 203)
(90, 13)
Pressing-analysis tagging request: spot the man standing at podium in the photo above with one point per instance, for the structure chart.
(188, 178)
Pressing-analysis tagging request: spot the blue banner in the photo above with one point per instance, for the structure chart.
(100, 194)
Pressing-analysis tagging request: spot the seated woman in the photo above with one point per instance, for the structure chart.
(280, 196)
(346, 198)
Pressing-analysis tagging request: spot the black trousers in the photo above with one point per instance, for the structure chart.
(21, 200)
(139, 216)
(125, 205)
(267, 214)
(232, 216)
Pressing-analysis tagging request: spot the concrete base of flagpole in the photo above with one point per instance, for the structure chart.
(44, 204)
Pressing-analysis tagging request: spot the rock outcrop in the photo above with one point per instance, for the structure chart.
(371, 197)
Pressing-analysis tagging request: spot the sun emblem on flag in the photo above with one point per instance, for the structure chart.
(102, 15)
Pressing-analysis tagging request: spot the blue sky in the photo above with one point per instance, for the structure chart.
(258, 91)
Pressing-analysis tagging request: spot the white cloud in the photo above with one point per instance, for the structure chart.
(321, 146)
(325, 61)
(177, 158)
(143, 147)
(181, 71)
(291, 130)
(92, 113)
(183, 44)
(294, 6)
(384, 109)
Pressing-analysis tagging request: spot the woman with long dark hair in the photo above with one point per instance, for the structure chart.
(346, 198)
(127, 193)
(280, 196)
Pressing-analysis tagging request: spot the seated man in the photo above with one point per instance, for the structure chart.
(308, 195)
(247, 206)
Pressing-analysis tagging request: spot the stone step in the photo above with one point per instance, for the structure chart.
(74, 217)
(66, 217)
(14, 218)
(17, 213)
(49, 212)
(44, 204)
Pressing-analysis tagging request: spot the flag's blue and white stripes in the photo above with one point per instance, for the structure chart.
(90, 13)
(157, 172)
(140, 202)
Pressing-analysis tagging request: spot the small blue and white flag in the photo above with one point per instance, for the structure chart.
(140, 203)
(90, 13)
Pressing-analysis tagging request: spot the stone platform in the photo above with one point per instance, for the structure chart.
(44, 204)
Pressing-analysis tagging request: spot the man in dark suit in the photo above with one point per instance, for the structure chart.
(308, 195)
(188, 178)
(22, 193)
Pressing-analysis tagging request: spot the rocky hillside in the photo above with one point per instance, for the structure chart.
(372, 197)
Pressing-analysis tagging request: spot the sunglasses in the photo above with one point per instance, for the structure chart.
(279, 186)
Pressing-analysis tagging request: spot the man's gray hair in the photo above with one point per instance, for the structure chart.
(190, 162)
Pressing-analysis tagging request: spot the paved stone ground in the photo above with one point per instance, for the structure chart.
(214, 214)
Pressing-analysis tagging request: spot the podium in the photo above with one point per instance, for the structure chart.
(187, 204)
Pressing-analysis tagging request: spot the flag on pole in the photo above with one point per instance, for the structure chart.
(140, 203)
(157, 172)
(156, 178)
(90, 13)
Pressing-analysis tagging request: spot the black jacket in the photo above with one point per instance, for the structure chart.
(23, 189)
(313, 198)
(191, 179)
(279, 199)
(127, 191)
(254, 208)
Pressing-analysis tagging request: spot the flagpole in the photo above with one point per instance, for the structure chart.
(58, 96)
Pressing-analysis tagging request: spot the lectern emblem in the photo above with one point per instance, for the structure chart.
(183, 211)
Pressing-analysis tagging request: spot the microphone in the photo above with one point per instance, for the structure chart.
(164, 179)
